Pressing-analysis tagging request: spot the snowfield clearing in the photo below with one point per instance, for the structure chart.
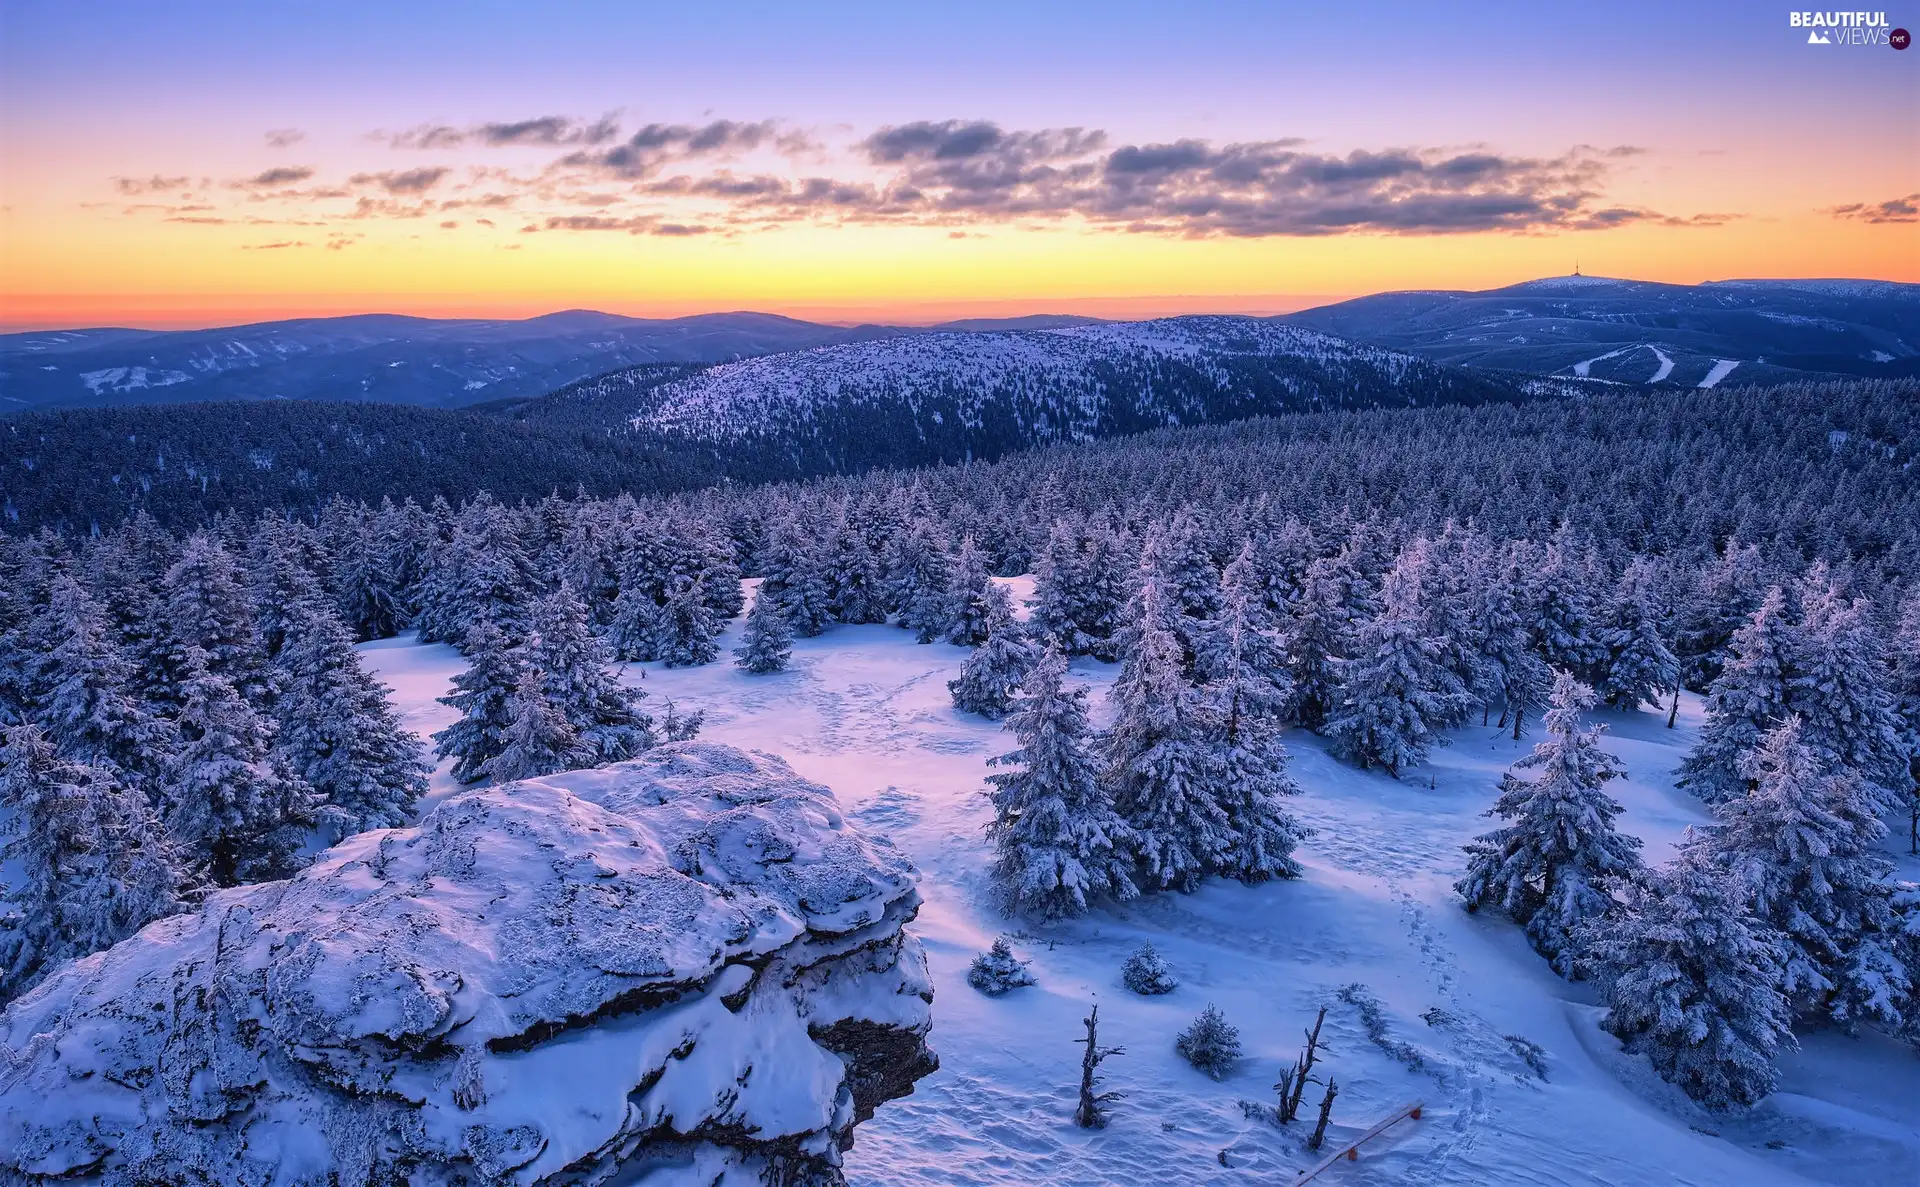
(1520, 1084)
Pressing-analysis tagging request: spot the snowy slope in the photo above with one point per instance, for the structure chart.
(995, 390)
(866, 711)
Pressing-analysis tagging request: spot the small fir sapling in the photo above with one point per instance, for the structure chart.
(998, 971)
(1147, 973)
(1211, 1044)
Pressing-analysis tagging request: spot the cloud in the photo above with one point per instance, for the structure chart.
(406, 181)
(272, 246)
(648, 149)
(1893, 210)
(150, 185)
(540, 130)
(284, 137)
(279, 175)
(636, 225)
(955, 172)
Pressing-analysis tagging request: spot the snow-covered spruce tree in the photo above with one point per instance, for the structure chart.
(90, 864)
(86, 701)
(1211, 1044)
(283, 571)
(580, 686)
(995, 669)
(1439, 567)
(237, 810)
(1107, 582)
(1058, 843)
(1551, 866)
(1243, 667)
(1315, 637)
(795, 577)
(539, 739)
(1639, 668)
(1722, 601)
(1692, 982)
(483, 695)
(685, 634)
(1562, 619)
(1176, 552)
(1396, 694)
(1840, 690)
(856, 582)
(997, 971)
(1517, 674)
(632, 628)
(1905, 679)
(368, 586)
(1750, 697)
(767, 644)
(1147, 973)
(971, 597)
(1056, 592)
(1159, 757)
(1805, 845)
(338, 731)
(920, 579)
(203, 609)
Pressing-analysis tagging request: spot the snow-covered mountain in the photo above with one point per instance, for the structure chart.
(948, 396)
(1730, 331)
(377, 358)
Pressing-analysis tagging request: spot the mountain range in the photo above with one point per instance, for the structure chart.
(1735, 331)
(385, 358)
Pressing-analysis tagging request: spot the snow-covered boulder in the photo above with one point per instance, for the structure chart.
(689, 968)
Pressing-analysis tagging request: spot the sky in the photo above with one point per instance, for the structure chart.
(171, 165)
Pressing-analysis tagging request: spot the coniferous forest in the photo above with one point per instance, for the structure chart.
(185, 709)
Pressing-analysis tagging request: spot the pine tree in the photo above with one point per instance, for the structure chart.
(1056, 593)
(281, 575)
(1315, 637)
(1691, 982)
(1639, 668)
(1101, 604)
(204, 609)
(1550, 868)
(971, 596)
(998, 971)
(768, 642)
(581, 687)
(1159, 758)
(1517, 674)
(240, 814)
(90, 864)
(1749, 698)
(684, 632)
(1840, 690)
(483, 694)
(1905, 679)
(796, 580)
(920, 584)
(1241, 661)
(1396, 694)
(993, 672)
(1805, 844)
(539, 740)
(856, 583)
(1058, 842)
(87, 703)
(1211, 1044)
(1563, 627)
(1176, 552)
(339, 733)
(1147, 973)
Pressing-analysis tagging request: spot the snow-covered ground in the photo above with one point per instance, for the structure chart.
(866, 711)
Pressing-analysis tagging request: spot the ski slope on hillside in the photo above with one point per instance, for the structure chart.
(866, 711)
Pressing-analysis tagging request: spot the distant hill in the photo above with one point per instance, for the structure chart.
(378, 358)
(1629, 331)
(905, 401)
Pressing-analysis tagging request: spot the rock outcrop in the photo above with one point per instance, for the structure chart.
(689, 968)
